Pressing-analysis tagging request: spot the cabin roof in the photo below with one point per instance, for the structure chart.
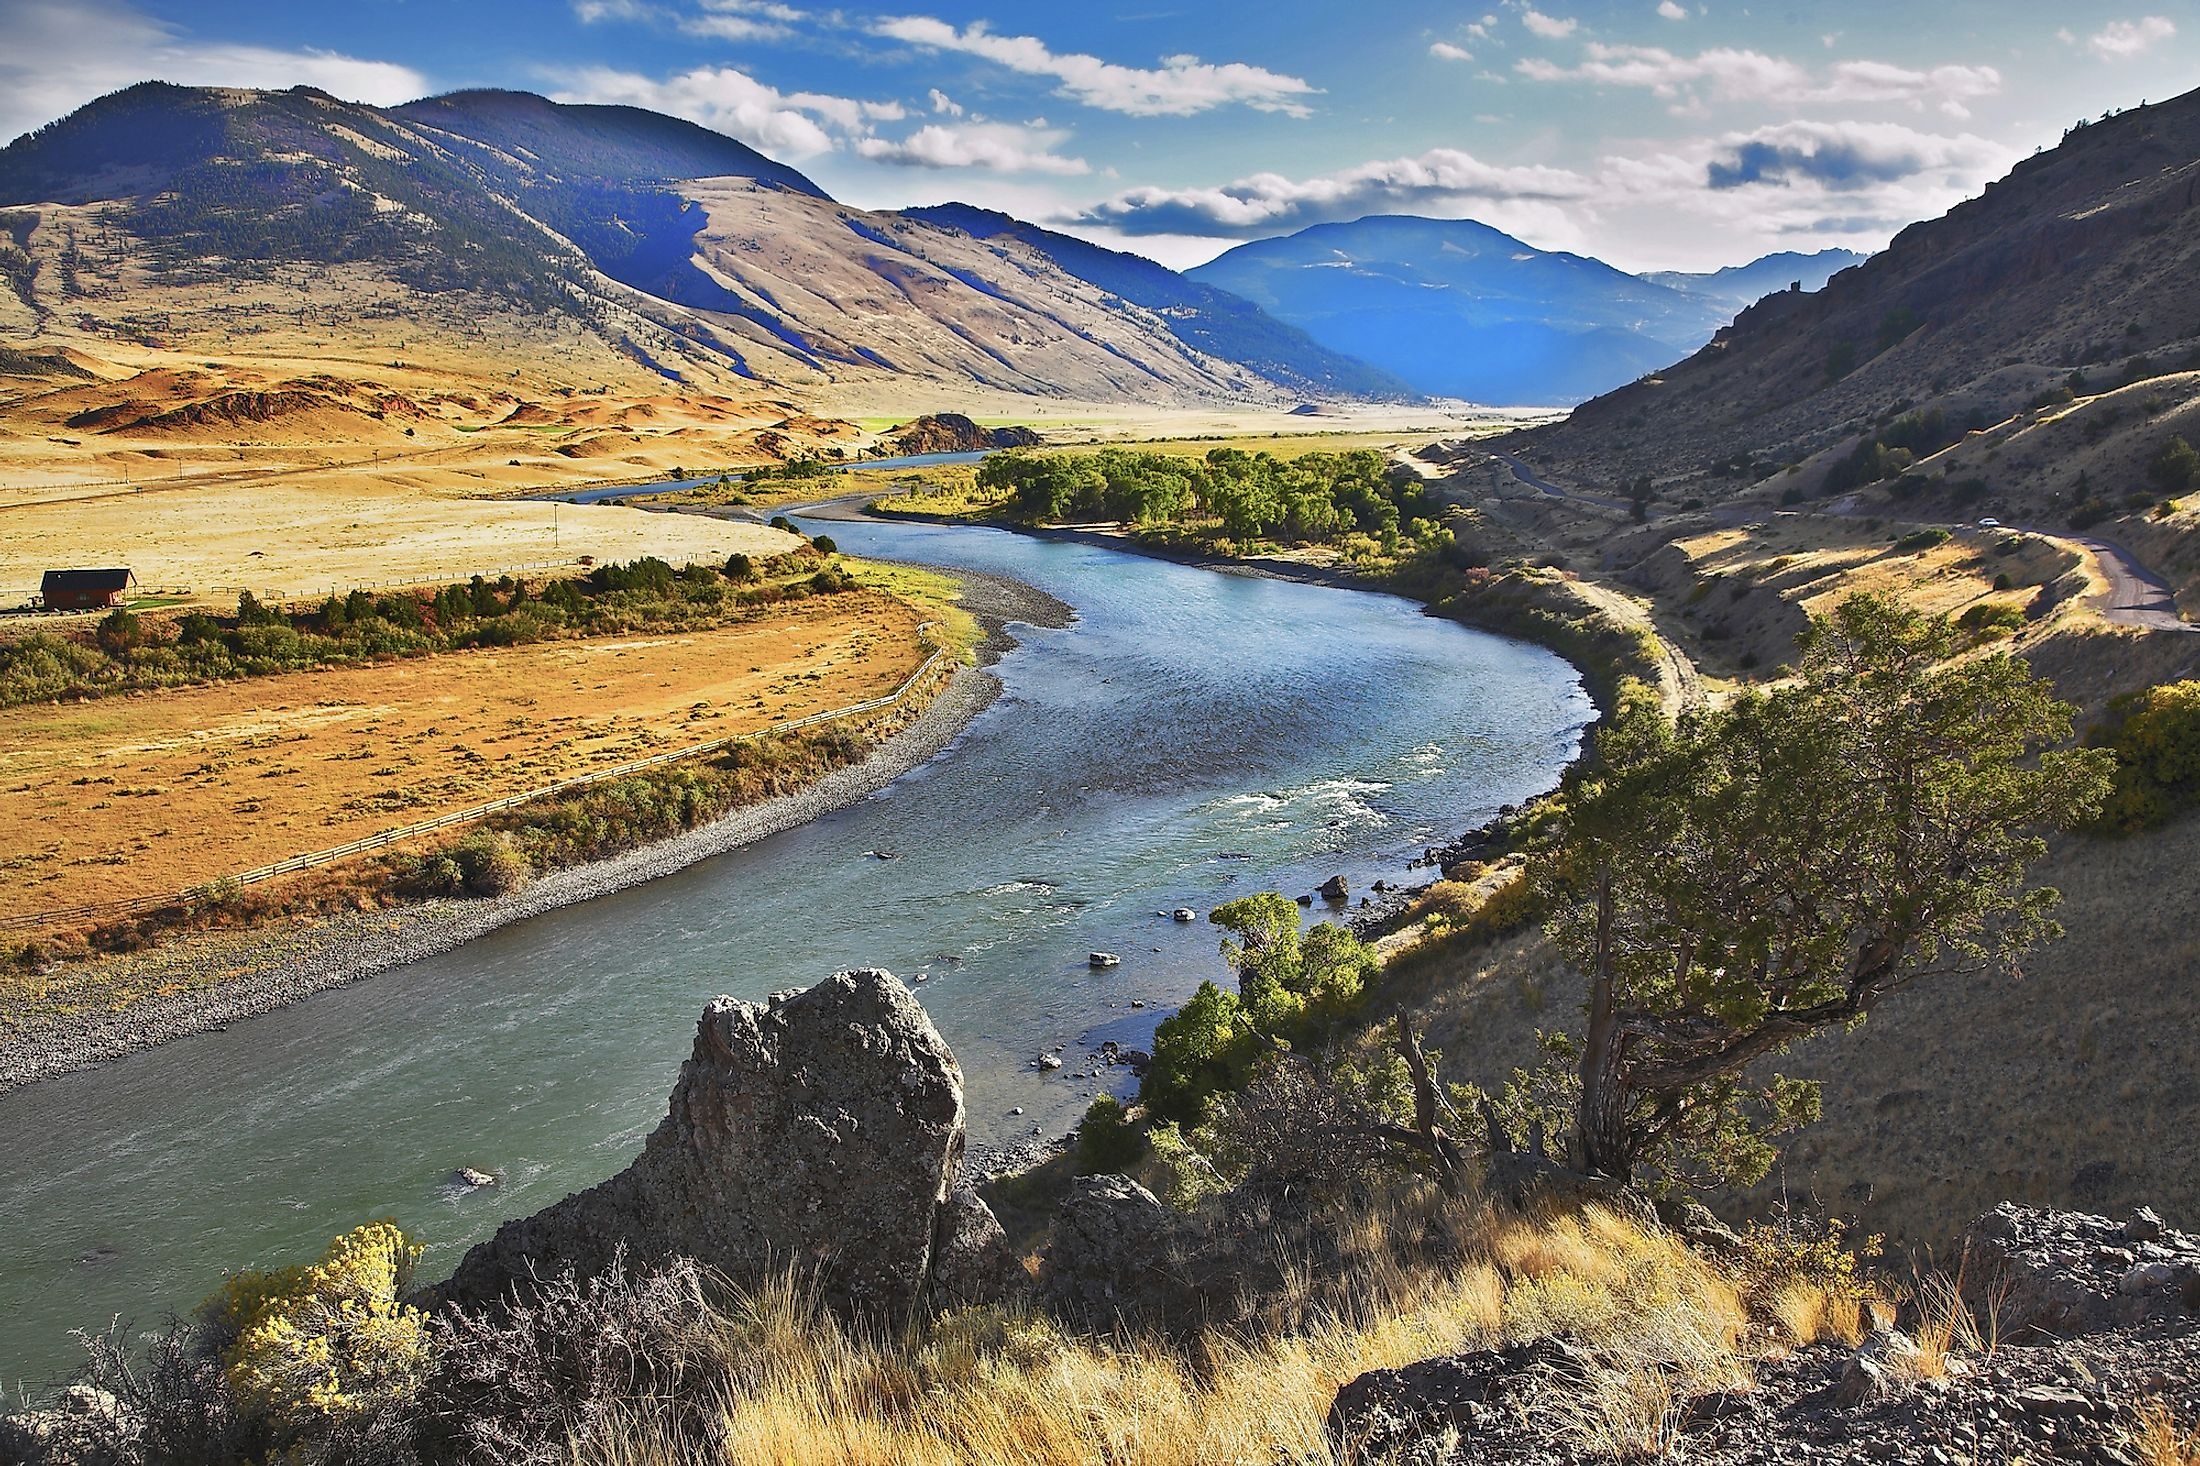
(118, 578)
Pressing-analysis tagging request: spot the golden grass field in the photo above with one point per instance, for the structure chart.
(144, 795)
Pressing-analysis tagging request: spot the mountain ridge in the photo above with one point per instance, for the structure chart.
(2072, 276)
(1459, 308)
(660, 245)
(1201, 316)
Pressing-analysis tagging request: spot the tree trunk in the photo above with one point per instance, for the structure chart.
(1601, 1143)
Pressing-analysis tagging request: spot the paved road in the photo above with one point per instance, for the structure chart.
(1527, 475)
(2136, 595)
(1534, 480)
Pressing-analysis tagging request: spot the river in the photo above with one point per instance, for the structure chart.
(1194, 736)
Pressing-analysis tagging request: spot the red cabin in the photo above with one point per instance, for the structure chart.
(84, 590)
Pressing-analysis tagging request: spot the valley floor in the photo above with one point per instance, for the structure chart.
(99, 1009)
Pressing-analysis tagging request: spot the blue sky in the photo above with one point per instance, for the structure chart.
(1653, 133)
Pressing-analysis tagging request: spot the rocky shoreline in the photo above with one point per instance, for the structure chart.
(281, 966)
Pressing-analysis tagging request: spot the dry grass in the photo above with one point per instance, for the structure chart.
(990, 1385)
(145, 795)
(1947, 1334)
(2161, 1439)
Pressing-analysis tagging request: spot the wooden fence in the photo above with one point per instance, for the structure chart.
(101, 909)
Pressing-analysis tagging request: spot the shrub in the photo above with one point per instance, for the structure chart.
(1992, 618)
(305, 1350)
(1106, 1138)
(489, 866)
(2155, 735)
(2174, 469)
(740, 567)
(825, 545)
(552, 1378)
(120, 631)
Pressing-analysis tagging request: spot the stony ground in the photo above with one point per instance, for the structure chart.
(2084, 1328)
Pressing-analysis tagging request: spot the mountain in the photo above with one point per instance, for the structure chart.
(1740, 286)
(570, 245)
(1460, 309)
(1201, 316)
(2033, 349)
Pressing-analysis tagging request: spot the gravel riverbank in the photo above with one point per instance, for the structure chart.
(223, 977)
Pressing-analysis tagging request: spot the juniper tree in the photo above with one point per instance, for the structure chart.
(1777, 867)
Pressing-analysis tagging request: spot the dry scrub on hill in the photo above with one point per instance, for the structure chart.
(680, 1368)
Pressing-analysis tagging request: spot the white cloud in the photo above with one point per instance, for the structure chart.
(945, 105)
(1446, 51)
(55, 56)
(1847, 157)
(723, 20)
(1705, 200)
(589, 12)
(1550, 27)
(1726, 74)
(742, 20)
(999, 146)
(2120, 40)
(1179, 87)
(1438, 181)
(1672, 11)
(787, 125)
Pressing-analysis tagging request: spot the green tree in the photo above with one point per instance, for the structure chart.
(120, 631)
(2175, 467)
(1775, 868)
(1203, 1048)
(1107, 1141)
(1293, 989)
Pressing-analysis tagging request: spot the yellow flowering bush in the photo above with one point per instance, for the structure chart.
(314, 1347)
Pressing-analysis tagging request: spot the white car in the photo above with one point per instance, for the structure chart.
(1989, 523)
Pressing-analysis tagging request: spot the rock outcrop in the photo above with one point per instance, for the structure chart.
(82, 1427)
(2097, 1325)
(1425, 1412)
(2066, 1273)
(821, 1130)
(951, 432)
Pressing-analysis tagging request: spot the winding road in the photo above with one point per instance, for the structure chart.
(2136, 596)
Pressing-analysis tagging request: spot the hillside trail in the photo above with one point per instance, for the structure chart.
(1680, 685)
(2136, 596)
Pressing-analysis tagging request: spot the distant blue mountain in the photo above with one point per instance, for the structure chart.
(1738, 287)
(1460, 309)
(1202, 316)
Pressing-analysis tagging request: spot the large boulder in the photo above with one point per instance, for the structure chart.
(83, 1426)
(2068, 1273)
(1111, 1251)
(971, 1259)
(821, 1130)
(1433, 1411)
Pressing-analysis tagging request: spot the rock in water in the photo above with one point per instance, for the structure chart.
(1336, 888)
(819, 1130)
